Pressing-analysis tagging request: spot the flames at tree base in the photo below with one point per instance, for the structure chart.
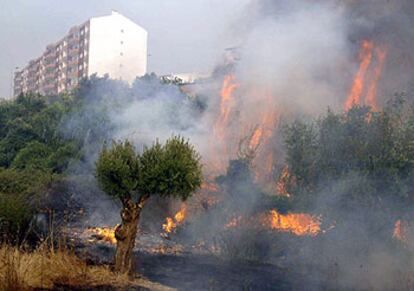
(105, 234)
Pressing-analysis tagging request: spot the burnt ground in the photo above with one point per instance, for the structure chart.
(191, 271)
(199, 272)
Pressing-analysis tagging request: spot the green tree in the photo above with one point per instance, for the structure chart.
(371, 151)
(33, 156)
(19, 195)
(301, 144)
(169, 170)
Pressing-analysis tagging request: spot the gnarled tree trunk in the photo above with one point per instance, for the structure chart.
(125, 235)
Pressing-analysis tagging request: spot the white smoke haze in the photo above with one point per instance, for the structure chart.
(297, 58)
(160, 116)
(294, 56)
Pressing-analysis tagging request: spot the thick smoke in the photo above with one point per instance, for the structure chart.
(296, 58)
(298, 54)
(307, 54)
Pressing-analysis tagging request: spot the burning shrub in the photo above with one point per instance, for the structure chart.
(355, 169)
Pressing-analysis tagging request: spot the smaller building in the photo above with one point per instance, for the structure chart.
(184, 78)
(111, 44)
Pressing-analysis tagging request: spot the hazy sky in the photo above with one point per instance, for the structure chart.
(184, 35)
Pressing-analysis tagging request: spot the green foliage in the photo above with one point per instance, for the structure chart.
(31, 150)
(372, 150)
(45, 135)
(172, 169)
(302, 150)
(117, 169)
(30, 182)
(33, 156)
(15, 215)
(29, 133)
(19, 193)
(59, 160)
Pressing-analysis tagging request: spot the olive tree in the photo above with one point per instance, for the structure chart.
(169, 170)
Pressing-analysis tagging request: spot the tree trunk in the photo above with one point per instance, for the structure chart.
(125, 235)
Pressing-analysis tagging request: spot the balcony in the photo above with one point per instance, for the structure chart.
(50, 65)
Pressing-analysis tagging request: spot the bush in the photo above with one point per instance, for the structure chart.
(19, 197)
(15, 215)
(376, 147)
(33, 156)
(242, 245)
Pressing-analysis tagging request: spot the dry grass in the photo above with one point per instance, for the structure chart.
(47, 268)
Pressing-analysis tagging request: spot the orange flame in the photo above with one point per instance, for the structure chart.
(106, 234)
(300, 224)
(297, 223)
(171, 223)
(401, 231)
(220, 147)
(226, 95)
(365, 56)
(227, 138)
(255, 140)
(263, 136)
(369, 72)
(281, 186)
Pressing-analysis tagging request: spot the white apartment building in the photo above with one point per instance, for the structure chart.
(111, 44)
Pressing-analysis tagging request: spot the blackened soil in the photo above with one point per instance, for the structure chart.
(96, 288)
(196, 272)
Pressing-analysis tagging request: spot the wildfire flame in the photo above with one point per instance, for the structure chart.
(106, 234)
(220, 147)
(263, 162)
(281, 185)
(402, 232)
(368, 72)
(255, 140)
(300, 224)
(365, 56)
(171, 223)
(226, 103)
(228, 134)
